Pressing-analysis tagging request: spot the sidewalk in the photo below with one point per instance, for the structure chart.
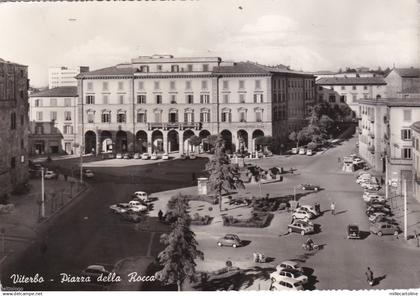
(24, 225)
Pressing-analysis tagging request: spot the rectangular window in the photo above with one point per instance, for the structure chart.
(187, 84)
(406, 153)
(406, 134)
(141, 85)
(407, 115)
(174, 68)
(89, 86)
(120, 85)
(53, 115)
(204, 99)
(106, 117)
(105, 99)
(354, 87)
(90, 100)
(331, 99)
(257, 84)
(141, 117)
(226, 117)
(68, 129)
(241, 84)
(91, 117)
(53, 102)
(158, 99)
(242, 116)
(105, 86)
(204, 117)
(173, 99)
(159, 68)
(13, 121)
(121, 117)
(157, 85)
(190, 99)
(342, 99)
(242, 98)
(189, 68)
(258, 98)
(37, 103)
(141, 99)
(67, 102)
(365, 87)
(172, 85)
(204, 84)
(225, 98)
(258, 116)
(67, 115)
(343, 87)
(39, 115)
(121, 99)
(225, 84)
(205, 68)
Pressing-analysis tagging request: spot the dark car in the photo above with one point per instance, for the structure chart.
(126, 156)
(300, 227)
(376, 201)
(385, 219)
(231, 240)
(378, 208)
(353, 231)
(310, 187)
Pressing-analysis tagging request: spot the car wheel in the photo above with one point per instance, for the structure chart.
(395, 233)
(290, 230)
(379, 233)
(302, 232)
(219, 244)
(234, 245)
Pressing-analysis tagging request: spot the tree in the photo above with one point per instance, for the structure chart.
(178, 258)
(224, 176)
(326, 124)
(312, 146)
(195, 140)
(294, 138)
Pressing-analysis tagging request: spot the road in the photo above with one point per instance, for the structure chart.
(87, 233)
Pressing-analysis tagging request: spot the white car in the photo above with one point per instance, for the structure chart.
(309, 152)
(302, 151)
(119, 208)
(141, 195)
(369, 186)
(88, 173)
(136, 156)
(368, 196)
(154, 156)
(289, 264)
(136, 206)
(145, 156)
(309, 209)
(49, 175)
(295, 150)
(165, 156)
(363, 178)
(119, 156)
(277, 276)
(374, 216)
(192, 156)
(301, 214)
(287, 284)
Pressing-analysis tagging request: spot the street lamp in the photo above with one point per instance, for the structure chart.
(42, 194)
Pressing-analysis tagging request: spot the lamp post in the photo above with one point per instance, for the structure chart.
(81, 164)
(405, 209)
(42, 194)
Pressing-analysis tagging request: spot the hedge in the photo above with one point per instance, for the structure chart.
(201, 220)
(258, 219)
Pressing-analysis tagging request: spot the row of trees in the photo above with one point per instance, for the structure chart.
(323, 123)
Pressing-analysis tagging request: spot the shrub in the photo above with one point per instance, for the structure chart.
(6, 209)
(207, 198)
(201, 220)
(21, 188)
(258, 219)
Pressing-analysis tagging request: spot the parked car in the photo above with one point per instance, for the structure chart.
(88, 173)
(231, 240)
(381, 228)
(295, 150)
(145, 156)
(119, 208)
(192, 156)
(353, 231)
(370, 186)
(385, 219)
(301, 214)
(378, 208)
(309, 209)
(94, 271)
(363, 178)
(287, 285)
(310, 187)
(375, 216)
(154, 156)
(357, 161)
(277, 276)
(377, 201)
(119, 156)
(141, 195)
(300, 227)
(309, 152)
(289, 264)
(302, 151)
(49, 175)
(183, 156)
(165, 156)
(137, 206)
(126, 156)
(136, 156)
(368, 196)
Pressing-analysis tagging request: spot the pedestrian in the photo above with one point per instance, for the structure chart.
(339, 160)
(369, 276)
(267, 197)
(193, 178)
(382, 180)
(333, 208)
(317, 208)
(160, 215)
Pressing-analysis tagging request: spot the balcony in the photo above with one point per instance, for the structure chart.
(174, 125)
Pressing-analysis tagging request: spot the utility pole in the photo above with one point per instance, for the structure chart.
(386, 179)
(405, 209)
(42, 194)
(81, 164)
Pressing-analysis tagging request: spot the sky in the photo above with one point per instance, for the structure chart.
(307, 35)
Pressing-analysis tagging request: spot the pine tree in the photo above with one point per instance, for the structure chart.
(178, 258)
(224, 176)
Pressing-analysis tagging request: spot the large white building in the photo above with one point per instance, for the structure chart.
(156, 103)
(52, 115)
(403, 83)
(64, 76)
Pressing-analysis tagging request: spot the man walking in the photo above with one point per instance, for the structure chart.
(333, 208)
(369, 276)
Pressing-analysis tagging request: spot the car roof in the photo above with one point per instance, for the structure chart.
(290, 262)
(95, 266)
(141, 192)
(294, 271)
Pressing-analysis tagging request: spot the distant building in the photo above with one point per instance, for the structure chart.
(13, 125)
(64, 76)
(415, 127)
(403, 83)
(348, 90)
(156, 103)
(53, 120)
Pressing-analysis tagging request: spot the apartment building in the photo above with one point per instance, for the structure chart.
(403, 83)
(415, 127)
(52, 115)
(64, 76)
(156, 103)
(14, 125)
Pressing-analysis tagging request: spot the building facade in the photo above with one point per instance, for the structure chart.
(415, 127)
(52, 115)
(14, 125)
(156, 103)
(64, 76)
(348, 90)
(403, 83)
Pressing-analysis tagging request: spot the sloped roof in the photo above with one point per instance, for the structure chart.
(350, 80)
(63, 91)
(408, 72)
(406, 102)
(416, 126)
(112, 71)
(247, 67)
